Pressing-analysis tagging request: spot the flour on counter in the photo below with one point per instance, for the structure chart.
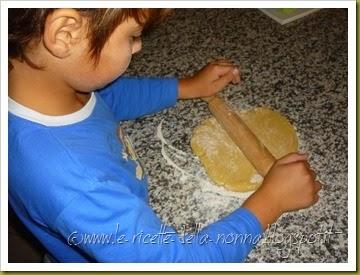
(188, 170)
(256, 178)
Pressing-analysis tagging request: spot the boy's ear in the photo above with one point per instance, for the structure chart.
(62, 31)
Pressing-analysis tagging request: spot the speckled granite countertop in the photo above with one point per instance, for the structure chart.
(299, 69)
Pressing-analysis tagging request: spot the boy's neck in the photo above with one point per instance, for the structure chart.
(42, 91)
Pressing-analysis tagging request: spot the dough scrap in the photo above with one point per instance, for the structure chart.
(224, 162)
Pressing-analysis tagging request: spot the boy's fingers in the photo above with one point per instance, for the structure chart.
(292, 157)
(223, 62)
(236, 74)
(313, 174)
(224, 80)
(221, 70)
(316, 198)
(318, 186)
(222, 66)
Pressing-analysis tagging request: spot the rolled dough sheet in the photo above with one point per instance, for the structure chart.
(223, 160)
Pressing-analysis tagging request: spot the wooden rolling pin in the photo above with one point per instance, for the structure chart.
(258, 155)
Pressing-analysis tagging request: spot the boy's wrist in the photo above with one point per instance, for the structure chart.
(184, 89)
(264, 208)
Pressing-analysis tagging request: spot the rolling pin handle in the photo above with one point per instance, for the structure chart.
(258, 155)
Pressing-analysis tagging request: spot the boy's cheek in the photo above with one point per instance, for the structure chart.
(84, 77)
(109, 73)
(89, 82)
(84, 82)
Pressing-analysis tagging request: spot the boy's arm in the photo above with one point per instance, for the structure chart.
(137, 234)
(85, 207)
(132, 97)
(289, 185)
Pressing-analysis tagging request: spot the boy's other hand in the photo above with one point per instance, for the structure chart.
(210, 80)
(289, 185)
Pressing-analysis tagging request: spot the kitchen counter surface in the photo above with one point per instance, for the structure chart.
(300, 70)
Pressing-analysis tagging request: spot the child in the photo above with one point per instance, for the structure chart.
(78, 187)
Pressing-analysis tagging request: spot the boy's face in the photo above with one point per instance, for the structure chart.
(79, 71)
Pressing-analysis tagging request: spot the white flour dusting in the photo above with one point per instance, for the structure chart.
(188, 170)
(256, 178)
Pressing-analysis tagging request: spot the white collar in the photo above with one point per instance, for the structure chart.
(34, 116)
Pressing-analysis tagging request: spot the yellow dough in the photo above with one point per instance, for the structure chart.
(225, 163)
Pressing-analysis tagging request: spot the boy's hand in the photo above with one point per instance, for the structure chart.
(289, 185)
(210, 80)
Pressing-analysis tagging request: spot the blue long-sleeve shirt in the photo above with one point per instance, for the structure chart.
(80, 190)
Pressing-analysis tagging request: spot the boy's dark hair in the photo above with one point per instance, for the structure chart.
(26, 25)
